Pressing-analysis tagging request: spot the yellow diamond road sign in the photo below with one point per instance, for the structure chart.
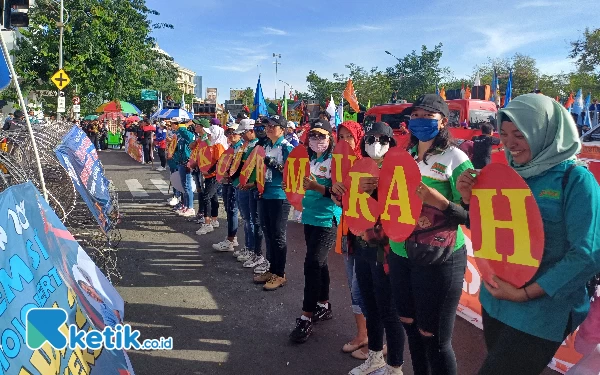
(61, 79)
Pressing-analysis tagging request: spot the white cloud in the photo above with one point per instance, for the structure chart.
(500, 40)
(273, 31)
(539, 4)
(556, 66)
(354, 29)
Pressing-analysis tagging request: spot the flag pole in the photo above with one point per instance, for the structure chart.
(22, 104)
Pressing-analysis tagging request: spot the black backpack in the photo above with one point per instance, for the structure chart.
(595, 281)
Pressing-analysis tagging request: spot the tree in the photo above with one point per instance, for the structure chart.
(417, 74)
(525, 73)
(108, 51)
(587, 51)
(321, 89)
(248, 96)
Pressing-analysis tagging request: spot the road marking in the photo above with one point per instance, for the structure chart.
(161, 185)
(136, 189)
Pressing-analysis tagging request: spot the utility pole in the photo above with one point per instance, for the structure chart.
(277, 63)
(60, 25)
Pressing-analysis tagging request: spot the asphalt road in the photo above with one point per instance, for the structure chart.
(174, 284)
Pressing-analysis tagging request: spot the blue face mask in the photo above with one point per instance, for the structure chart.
(424, 129)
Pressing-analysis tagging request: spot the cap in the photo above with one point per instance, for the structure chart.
(321, 127)
(291, 124)
(245, 125)
(205, 123)
(196, 121)
(431, 103)
(232, 125)
(381, 128)
(275, 120)
(215, 121)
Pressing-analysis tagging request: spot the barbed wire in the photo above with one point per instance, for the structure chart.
(18, 165)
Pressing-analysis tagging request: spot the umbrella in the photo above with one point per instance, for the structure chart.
(170, 113)
(111, 116)
(91, 117)
(133, 119)
(118, 106)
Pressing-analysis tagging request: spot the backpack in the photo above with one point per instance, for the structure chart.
(595, 281)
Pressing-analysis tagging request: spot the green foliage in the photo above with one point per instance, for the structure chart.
(587, 51)
(525, 73)
(248, 96)
(108, 52)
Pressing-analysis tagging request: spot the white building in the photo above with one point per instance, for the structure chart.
(185, 78)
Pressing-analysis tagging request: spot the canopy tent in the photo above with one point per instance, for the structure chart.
(119, 106)
(168, 113)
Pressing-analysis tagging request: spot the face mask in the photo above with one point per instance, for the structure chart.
(424, 129)
(318, 145)
(376, 150)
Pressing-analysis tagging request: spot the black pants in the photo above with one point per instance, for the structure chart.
(146, 148)
(429, 295)
(274, 215)
(381, 315)
(199, 180)
(514, 352)
(319, 240)
(163, 157)
(94, 140)
(210, 201)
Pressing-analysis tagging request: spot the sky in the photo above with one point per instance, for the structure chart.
(230, 42)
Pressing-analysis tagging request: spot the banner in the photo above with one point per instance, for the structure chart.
(48, 269)
(134, 149)
(297, 166)
(78, 156)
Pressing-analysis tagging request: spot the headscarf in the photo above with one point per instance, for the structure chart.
(548, 128)
(217, 136)
(357, 133)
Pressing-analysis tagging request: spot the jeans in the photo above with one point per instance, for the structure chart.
(199, 180)
(176, 192)
(376, 292)
(231, 207)
(514, 352)
(162, 156)
(429, 295)
(319, 240)
(146, 148)
(210, 201)
(248, 202)
(349, 261)
(186, 182)
(274, 215)
(94, 140)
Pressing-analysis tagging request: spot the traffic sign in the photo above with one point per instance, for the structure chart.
(76, 108)
(61, 79)
(61, 108)
(76, 100)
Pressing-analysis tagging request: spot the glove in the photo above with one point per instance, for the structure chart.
(273, 164)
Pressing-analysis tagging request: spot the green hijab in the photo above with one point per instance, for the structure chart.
(548, 128)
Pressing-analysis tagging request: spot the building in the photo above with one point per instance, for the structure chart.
(198, 88)
(185, 79)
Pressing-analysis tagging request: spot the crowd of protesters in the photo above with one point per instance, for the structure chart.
(395, 291)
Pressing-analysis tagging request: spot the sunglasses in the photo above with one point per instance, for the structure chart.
(229, 132)
(319, 136)
(259, 128)
(384, 139)
(271, 126)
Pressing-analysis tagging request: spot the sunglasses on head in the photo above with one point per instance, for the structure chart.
(259, 128)
(382, 139)
(320, 136)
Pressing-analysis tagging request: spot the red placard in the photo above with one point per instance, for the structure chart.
(224, 163)
(595, 169)
(342, 160)
(360, 209)
(171, 146)
(237, 160)
(256, 160)
(297, 166)
(506, 226)
(205, 157)
(248, 167)
(399, 204)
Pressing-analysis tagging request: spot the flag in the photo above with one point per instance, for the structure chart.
(331, 109)
(350, 96)
(578, 103)
(339, 115)
(369, 105)
(494, 86)
(508, 89)
(279, 108)
(569, 101)
(291, 95)
(468, 93)
(586, 120)
(5, 76)
(260, 106)
(183, 101)
(296, 97)
(443, 93)
(230, 117)
(477, 81)
(437, 89)
(160, 101)
(285, 108)
(462, 91)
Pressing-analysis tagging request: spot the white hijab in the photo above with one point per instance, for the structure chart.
(217, 136)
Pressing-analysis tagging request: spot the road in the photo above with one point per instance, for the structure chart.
(174, 284)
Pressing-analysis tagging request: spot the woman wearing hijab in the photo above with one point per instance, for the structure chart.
(524, 327)
(351, 132)
(218, 144)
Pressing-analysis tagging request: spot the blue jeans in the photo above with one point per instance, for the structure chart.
(274, 215)
(248, 202)
(231, 207)
(349, 262)
(176, 192)
(186, 182)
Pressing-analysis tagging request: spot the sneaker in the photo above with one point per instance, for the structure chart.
(302, 331)
(180, 210)
(214, 223)
(190, 212)
(275, 282)
(224, 245)
(235, 243)
(373, 363)
(254, 261)
(389, 370)
(173, 202)
(238, 252)
(178, 207)
(261, 279)
(204, 229)
(262, 267)
(245, 255)
(160, 169)
(322, 313)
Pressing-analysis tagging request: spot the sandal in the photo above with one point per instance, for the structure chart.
(349, 348)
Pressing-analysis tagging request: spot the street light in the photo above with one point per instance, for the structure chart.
(277, 63)
(284, 89)
(389, 53)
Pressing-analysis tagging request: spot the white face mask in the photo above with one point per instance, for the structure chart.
(376, 150)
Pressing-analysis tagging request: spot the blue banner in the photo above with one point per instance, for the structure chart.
(78, 156)
(44, 267)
